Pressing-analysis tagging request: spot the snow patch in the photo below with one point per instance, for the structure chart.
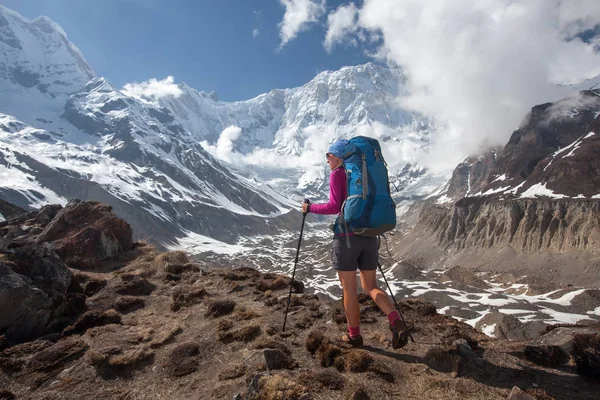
(196, 243)
(443, 200)
(489, 330)
(500, 178)
(539, 189)
(2, 219)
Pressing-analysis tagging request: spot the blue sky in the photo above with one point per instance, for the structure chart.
(208, 44)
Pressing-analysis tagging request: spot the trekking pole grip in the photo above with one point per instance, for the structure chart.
(306, 201)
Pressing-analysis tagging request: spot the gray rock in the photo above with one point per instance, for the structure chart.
(562, 337)
(505, 326)
(518, 394)
(276, 359)
(33, 293)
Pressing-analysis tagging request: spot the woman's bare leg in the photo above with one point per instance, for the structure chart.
(368, 280)
(349, 285)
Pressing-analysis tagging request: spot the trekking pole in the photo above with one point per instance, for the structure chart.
(395, 302)
(306, 201)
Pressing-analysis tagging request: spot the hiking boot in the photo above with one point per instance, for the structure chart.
(400, 334)
(356, 341)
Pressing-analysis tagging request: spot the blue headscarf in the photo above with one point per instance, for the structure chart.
(338, 148)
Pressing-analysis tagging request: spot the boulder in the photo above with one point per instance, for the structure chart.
(501, 326)
(562, 337)
(83, 233)
(34, 292)
(518, 394)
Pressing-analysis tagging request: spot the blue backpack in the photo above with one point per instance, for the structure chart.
(368, 209)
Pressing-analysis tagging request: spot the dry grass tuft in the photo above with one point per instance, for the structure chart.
(327, 353)
(314, 341)
(127, 304)
(442, 360)
(57, 355)
(358, 361)
(183, 360)
(218, 308)
(91, 319)
(278, 387)
(234, 372)
(271, 344)
(111, 362)
(164, 261)
(186, 297)
(327, 379)
(166, 337)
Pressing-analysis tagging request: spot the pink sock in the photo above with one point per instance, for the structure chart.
(393, 317)
(354, 331)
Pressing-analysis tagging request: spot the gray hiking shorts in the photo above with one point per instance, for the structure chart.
(362, 254)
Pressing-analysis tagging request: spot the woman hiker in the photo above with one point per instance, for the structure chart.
(363, 254)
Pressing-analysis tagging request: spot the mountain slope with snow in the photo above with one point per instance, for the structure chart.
(185, 164)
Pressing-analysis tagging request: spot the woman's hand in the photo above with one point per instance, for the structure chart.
(305, 208)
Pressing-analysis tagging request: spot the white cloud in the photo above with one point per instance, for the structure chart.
(255, 32)
(223, 149)
(299, 14)
(340, 23)
(153, 89)
(476, 66)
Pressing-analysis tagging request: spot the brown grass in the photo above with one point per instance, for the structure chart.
(57, 355)
(128, 304)
(163, 261)
(443, 360)
(91, 319)
(314, 341)
(185, 296)
(327, 379)
(358, 361)
(183, 360)
(234, 372)
(271, 344)
(278, 387)
(218, 308)
(327, 353)
(108, 364)
(166, 337)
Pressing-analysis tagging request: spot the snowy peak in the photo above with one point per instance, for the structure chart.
(554, 154)
(37, 55)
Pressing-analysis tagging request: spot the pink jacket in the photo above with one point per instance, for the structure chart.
(337, 194)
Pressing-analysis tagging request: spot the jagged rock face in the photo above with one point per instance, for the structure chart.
(8, 210)
(526, 225)
(34, 285)
(556, 147)
(87, 231)
(548, 127)
(37, 290)
(472, 175)
(574, 172)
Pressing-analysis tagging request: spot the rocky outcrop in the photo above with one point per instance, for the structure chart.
(471, 176)
(524, 224)
(36, 292)
(84, 232)
(9, 211)
(81, 233)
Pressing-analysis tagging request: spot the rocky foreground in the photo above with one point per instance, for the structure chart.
(133, 323)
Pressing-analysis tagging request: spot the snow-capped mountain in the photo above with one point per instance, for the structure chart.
(554, 154)
(185, 165)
